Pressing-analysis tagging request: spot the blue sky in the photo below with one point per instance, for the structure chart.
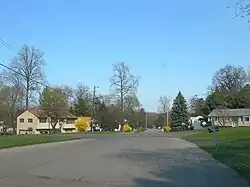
(170, 45)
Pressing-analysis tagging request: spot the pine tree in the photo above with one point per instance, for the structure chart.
(179, 111)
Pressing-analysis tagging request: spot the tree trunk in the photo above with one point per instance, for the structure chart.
(53, 125)
(27, 94)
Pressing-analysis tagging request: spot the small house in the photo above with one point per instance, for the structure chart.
(230, 117)
(36, 121)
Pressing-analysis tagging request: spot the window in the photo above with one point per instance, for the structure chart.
(21, 120)
(70, 121)
(42, 120)
(30, 120)
(246, 119)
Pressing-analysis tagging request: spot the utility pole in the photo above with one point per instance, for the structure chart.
(93, 107)
(167, 117)
(146, 120)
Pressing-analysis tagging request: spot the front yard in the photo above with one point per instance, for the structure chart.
(22, 140)
(232, 148)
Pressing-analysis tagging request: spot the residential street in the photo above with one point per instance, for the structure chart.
(147, 160)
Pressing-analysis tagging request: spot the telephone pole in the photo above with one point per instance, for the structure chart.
(167, 118)
(93, 107)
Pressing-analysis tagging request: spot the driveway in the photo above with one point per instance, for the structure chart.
(145, 160)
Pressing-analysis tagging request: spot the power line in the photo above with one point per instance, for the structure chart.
(7, 45)
(14, 71)
(10, 47)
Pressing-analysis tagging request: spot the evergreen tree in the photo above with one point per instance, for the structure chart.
(81, 108)
(179, 111)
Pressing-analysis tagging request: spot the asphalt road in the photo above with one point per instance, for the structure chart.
(147, 160)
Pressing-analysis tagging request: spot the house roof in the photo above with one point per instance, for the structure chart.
(230, 112)
(40, 113)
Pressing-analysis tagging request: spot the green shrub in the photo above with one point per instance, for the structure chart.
(140, 129)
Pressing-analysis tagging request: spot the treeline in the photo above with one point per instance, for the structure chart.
(23, 85)
(230, 89)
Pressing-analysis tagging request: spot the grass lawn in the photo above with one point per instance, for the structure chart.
(22, 140)
(233, 148)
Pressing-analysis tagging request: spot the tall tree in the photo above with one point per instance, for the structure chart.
(244, 96)
(123, 82)
(11, 98)
(225, 100)
(29, 63)
(81, 108)
(229, 79)
(196, 106)
(54, 103)
(69, 93)
(53, 98)
(179, 111)
(164, 104)
(131, 102)
(83, 92)
(82, 101)
(241, 8)
(164, 109)
(142, 118)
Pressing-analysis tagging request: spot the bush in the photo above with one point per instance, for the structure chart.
(82, 125)
(140, 129)
(127, 128)
(167, 128)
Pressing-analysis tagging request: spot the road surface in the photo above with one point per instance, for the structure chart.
(147, 160)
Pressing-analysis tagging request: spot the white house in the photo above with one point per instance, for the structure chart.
(36, 121)
(230, 117)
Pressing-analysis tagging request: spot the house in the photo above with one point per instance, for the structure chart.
(36, 121)
(197, 122)
(230, 117)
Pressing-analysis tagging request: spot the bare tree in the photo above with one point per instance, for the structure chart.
(69, 93)
(107, 99)
(123, 82)
(29, 63)
(164, 104)
(1, 79)
(131, 102)
(11, 98)
(82, 92)
(241, 8)
(224, 116)
(229, 78)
